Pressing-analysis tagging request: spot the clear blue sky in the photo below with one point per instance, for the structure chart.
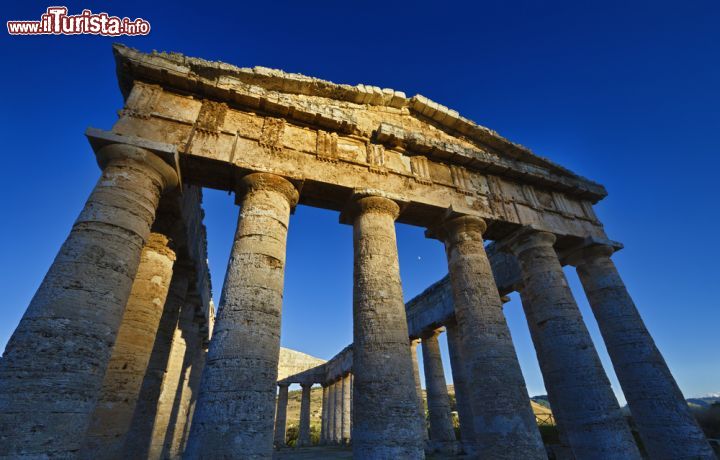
(625, 93)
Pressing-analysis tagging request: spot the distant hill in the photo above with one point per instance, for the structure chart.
(702, 403)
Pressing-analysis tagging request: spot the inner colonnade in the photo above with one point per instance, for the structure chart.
(120, 353)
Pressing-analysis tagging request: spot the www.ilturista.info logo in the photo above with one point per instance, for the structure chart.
(57, 22)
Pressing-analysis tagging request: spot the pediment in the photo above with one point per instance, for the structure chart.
(413, 125)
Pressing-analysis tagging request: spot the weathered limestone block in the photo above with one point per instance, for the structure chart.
(237, 394)
(460, 382)
(346, 409)
(504, 423)
(442, 433)
(131, 354)
(150, 399)
(304, 432)
(55, 362)
(659, 409)
(582, 400)
(281, 415)
(385, 402)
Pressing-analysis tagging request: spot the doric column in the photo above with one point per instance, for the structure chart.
(582, 400)
(385, 424)
(346, 410)
(441, 427)
(304, 435)
(338, 408)
(131, 353)
(150, 399)
(503, 418)
(460, 382)
(52, 370)
(658, 407)
(418, 389)
(324, 416)
(180, 383)
(281, 415)
(235, 407)
(352, 391)
(331, 414)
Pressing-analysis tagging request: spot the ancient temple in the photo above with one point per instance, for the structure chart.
(120, 353)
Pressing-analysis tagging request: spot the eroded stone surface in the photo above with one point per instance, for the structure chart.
(658, 407)
(55, 362)
(385, 416)
(442, 433)
(131, 353)
(583, 403)
(237, 395)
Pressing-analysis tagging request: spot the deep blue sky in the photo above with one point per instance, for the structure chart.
(625, 93)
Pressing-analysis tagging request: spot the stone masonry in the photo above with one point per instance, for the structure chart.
(119, 354)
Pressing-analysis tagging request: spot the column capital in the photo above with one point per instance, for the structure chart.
(587, 252)
(269, 182)
(526, 238)
(362, 204)
(113, 153)
(430, 333)
(159, 243)
(283, 384)
(306, 385)
(453, 225)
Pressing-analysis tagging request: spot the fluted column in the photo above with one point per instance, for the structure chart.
(346, 410)
(659, 409)
(131, 353)
(304, 434)
(235, 406)
(385, 401)
(324, 416)
(418, 389)
(584, 405)
(54, 364)
(504, 422)
(281, 415)
(460, 382)
(338, 408)
(441, 427)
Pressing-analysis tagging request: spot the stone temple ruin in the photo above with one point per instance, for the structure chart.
(119, 354)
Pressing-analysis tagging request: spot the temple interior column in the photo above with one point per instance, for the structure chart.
(460, 382)
(54, 364)
(304, 432)
(137, 439)
(659, 410)
(338, 417)
(583, 403)
(324, 416)
(418, 389)
(334, 415)
(180, 386)
(384, 396)
(442, 433)
(235, 407)
(131, 354)
(281, 415)
(504, 422)
(352, 386)
(346, 410)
